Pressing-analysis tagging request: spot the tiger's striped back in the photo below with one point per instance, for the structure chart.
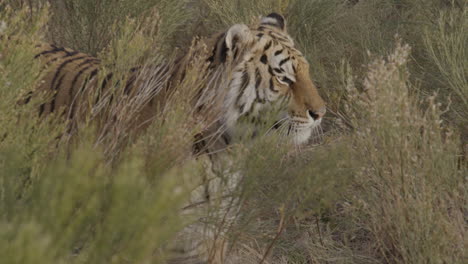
(68, 73)
(76, 88)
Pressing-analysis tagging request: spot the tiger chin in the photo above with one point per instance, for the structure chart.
(251, 68)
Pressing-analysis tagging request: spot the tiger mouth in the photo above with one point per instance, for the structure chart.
(301, 131)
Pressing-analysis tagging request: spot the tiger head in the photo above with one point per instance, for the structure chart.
(267, 68)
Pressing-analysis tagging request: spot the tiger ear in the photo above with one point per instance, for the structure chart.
(238, 34)
(274, 19)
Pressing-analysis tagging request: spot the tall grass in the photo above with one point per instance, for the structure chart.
(388, 187)
(329, 32)
(89, 25)
(446, 47)
(411, 185)
(66, 203)
(393, 191)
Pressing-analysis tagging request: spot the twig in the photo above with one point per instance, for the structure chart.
(278, 233)
(320, 232)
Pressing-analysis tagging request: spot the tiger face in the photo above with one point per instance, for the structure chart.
(270, 69)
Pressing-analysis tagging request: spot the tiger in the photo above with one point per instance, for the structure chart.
(248, 69)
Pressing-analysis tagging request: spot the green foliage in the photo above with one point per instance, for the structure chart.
(89, 25)
(329, 32)
(23, 144)
(411, 181)
(83, 210)
(445, 43)
(284, 190)
(388, 187)
(62, 203)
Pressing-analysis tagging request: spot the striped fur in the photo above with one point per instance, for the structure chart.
(68, 71)
(260, 64)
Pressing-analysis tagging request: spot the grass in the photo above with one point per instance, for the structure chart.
(386, 185)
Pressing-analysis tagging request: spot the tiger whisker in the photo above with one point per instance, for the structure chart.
(278, 124)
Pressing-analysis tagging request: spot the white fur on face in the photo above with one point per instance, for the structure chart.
(243, 88)
(302, 132)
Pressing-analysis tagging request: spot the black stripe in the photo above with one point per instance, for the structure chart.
(90, 76)
(278, 70)
(244, 84)
(279, 19)
(52, 103)
(89, 61)
(223, 52)
(241, 108)
(268, 45)
(287, 80)
(258, 77)
(277, 125)
(69, 54)
(260, 35)
(284, 61)
(234, 41)
(224, 49)
(272, 86)
(226, 138)
(55, 49)
(236, 51)
(28, 97)
(264, 59)
(52, 60)
(258, 80)
(215, 49)
(77, 76)
(129, 84)
(270, 70)
(278, 52)
(41, 109)
(104, 82)
(134, 69)
(199, 144)
(59, 69)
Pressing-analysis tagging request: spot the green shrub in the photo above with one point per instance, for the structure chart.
(66, 203)
(445, 45)
(388, 187)
(410, 194)
(89, 25)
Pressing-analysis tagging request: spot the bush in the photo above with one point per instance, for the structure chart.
(89, 25)
(66, 203)
(410, 182)
(385, 184)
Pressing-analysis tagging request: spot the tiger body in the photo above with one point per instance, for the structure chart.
(67, 72)
(248, 70)
(74, 88)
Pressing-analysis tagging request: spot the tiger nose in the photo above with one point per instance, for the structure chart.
(316, 115)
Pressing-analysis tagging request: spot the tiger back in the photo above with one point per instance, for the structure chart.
(68, 73)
